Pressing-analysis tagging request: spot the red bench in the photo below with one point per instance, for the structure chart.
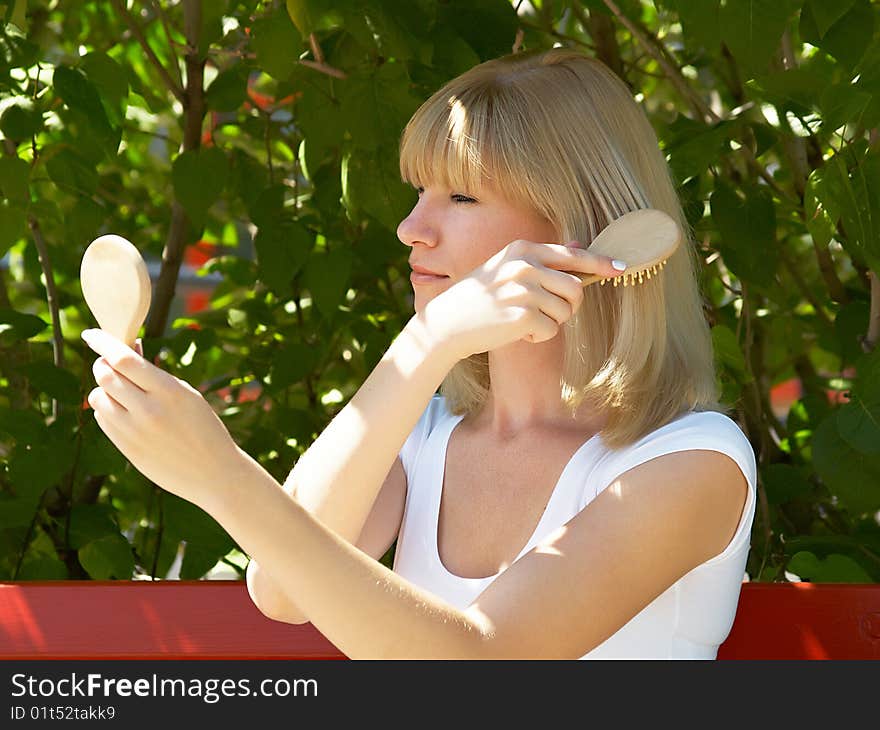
(217, 620)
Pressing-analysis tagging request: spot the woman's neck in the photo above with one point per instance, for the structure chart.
(524, 391)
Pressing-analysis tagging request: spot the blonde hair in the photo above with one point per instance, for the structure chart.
(560, 133)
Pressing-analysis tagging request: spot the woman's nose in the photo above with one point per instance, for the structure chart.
(415, 228)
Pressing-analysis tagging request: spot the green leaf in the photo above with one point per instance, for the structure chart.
(277, 43)
(43, 567)
(452, 55)
(300, 13)
(186, 521)
(267, 208)
(18, 15)
(792, 89)
(199, 177)
(84, 221)
(843, 103)
(48, 378)
(849, 327)
(700, 23)
(852, 476)
(81, 95)
(377, 107)
(489, 26)
(319, 114)
(784, 482)
(859, 420)
(826, 14)
(691, 147)
(14, 176)
(90, 522)
(291, 364)
(819, 223)
(99, 454)
(12, 229)
(729, 352)
(110, 81)
(108, 557)
(752, 29)
(17, 326)
(748, 232)
(228, 91)
(20, 120)
(376, 250)
(211, 29)
(72, 173)
(282, 249)
(198, 560)
(371, 186)
(847, 38)
(247, 178)
(314, 15)
(833, 569)
(848, 188)
(17, 511)
(35, 466)
(149, 541)
(326, 277)
(396, 28)
(26, 426)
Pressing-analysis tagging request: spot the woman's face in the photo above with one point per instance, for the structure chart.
(452, 232)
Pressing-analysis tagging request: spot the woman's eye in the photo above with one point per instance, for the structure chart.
(462, 198)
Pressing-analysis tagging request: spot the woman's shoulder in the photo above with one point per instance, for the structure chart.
(690, 430)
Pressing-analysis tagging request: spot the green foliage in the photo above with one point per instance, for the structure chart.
(284, 160)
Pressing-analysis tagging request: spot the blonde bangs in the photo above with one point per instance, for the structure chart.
(458, 139)
(443, 144)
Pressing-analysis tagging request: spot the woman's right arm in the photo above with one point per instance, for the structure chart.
(339, 478)
(519, 292)
(379, 532)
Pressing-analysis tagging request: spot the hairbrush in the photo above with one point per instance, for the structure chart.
(644, 239)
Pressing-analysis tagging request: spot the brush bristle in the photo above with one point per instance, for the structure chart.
(630, 279)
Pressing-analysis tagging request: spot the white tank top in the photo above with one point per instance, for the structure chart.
(689, 620)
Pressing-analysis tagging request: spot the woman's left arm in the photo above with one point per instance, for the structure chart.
(564, 597)
(170, 433)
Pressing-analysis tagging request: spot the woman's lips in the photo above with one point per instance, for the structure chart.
(416, 278)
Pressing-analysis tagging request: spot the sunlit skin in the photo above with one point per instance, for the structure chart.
(558, 601)
(452, 232)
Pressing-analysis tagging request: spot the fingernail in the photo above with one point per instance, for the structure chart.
(86, 334)
(618, 264)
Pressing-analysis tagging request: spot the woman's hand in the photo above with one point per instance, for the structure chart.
(160, 423)
(524, 292)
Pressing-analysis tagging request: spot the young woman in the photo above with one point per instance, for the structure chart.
(575, 490)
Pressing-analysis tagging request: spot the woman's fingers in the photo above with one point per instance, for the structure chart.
(571, 258)
(120, 389)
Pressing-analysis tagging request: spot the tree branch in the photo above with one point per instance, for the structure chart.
(601, 30)
(658, 53)
(171, 42)
(323, 68)
(51, 301)
(870, 340)
(151, 55)
(194, 114)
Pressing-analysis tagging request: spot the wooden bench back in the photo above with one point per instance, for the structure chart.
(218, 620)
